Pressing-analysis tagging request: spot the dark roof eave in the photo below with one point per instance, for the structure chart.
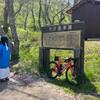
(79, 4)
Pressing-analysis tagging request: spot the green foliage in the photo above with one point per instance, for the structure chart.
(92, 61)
(28, 51)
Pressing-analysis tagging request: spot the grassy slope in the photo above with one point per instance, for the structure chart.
(29, 44)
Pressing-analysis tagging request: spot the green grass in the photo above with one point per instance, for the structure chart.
(29, 63)
(92, 72)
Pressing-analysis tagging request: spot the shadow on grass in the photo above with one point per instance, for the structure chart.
(86, 87)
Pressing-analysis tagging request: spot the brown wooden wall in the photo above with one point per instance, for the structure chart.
(90, 13)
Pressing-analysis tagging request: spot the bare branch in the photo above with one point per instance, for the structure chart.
(59, 13)
(18, 10)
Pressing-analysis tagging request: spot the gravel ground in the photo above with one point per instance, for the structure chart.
(28, 87)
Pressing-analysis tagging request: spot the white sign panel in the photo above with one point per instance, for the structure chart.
(69, 39)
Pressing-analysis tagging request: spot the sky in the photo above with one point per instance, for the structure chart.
(71, 1)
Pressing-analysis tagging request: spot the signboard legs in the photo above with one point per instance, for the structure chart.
(44, 58)
(79, 67)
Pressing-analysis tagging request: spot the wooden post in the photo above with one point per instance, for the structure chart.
(44, 56)
(79, 67)
(77, 63)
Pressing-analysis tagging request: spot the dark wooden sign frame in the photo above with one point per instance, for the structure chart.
(44, 52)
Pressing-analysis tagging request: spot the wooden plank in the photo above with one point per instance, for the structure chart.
(44, 59)
(68, 39)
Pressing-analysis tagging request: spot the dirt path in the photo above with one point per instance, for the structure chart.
(29, 87)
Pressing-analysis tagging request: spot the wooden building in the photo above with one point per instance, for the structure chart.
(89, 12)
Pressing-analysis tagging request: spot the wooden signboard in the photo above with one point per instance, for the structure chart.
(63, 40)
(66, 36)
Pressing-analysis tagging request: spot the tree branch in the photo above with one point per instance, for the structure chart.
(18, 10)
(58, 13)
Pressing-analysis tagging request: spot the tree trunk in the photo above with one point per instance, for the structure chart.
(5, 27)
(26, 17)
(15, 50)
(39, 17)
(44, 18)
(47, 11)
(33, 17)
